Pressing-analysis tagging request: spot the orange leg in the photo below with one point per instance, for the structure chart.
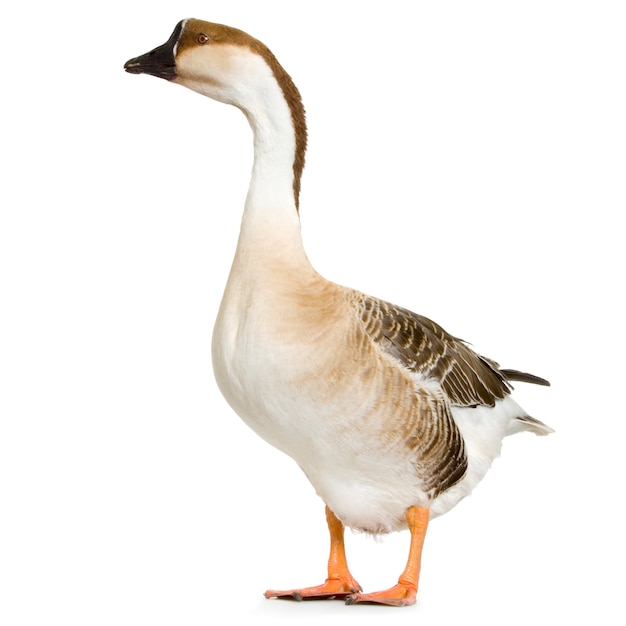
(339, 583)
(405, 591)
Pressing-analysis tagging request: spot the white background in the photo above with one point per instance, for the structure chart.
(466, 161)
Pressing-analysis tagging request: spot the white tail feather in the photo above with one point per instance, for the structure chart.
(532, 425)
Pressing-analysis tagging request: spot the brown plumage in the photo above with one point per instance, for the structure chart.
(425, 348)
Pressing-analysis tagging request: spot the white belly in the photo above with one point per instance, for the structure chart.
(337, 422)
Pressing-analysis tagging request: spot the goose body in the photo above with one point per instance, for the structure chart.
(392, 419)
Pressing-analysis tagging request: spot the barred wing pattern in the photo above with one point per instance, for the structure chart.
(423, 347)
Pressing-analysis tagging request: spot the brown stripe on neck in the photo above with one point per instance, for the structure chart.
(294, 101)
(221, 34)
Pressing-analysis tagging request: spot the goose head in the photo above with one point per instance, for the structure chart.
(218, 61)
(230, 66)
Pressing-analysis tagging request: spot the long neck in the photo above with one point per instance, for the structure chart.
(276, 115)
(271, 193)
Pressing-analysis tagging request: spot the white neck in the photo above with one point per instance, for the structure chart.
(270, 219)
(271, 195)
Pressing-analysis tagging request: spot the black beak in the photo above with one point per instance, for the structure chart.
(158, 62)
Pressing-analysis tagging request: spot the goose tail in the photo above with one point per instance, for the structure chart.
(530, 424)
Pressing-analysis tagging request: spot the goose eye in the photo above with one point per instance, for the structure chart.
(202, 39)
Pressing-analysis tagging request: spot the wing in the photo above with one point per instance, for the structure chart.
(423, 347)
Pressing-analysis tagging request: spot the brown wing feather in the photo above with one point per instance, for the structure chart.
(441, 459)
(422, 346)
(524, 377)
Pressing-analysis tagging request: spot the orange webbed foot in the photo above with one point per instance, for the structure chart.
(340, 584)
(333, 588)
(399, 595)
(405, 592)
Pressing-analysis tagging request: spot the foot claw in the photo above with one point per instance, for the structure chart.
(330, 590)
(400, 595)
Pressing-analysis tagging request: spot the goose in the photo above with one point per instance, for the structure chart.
(392, 419)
